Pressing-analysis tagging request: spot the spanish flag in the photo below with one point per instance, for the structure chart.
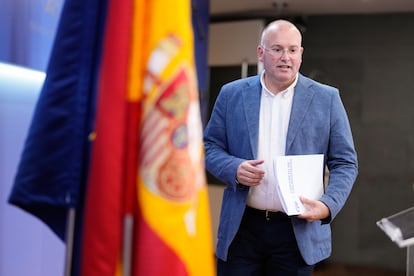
(146, 206)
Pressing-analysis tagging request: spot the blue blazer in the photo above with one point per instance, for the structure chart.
(318, 125)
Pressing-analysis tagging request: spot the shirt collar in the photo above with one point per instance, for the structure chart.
(285, 93)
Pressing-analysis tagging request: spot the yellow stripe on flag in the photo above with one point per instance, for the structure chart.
(171, 184)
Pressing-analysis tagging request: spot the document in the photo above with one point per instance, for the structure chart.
(298, 175)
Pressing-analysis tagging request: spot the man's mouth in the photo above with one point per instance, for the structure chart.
(284, 66)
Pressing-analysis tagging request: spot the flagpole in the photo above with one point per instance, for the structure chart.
(70, 228)
(127, 246)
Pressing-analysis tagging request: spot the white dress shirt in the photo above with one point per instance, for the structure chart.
(273, 127)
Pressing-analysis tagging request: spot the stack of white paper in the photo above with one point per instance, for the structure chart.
(298, 175)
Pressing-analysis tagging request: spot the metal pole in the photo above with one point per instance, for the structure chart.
(70, 229)
(410, 260)
(244, 69)
(127, 246)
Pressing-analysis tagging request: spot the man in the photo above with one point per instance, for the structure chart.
(278, 112)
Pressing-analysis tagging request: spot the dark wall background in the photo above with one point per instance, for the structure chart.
(370, 58)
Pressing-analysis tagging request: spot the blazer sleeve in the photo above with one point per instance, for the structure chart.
(341, 158)
(223, 151)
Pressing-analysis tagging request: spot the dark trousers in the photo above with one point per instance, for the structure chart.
(264, 246)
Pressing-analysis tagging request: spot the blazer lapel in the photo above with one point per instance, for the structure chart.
(301, 101)
(251, 102)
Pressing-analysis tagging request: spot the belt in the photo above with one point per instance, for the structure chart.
(268, 215)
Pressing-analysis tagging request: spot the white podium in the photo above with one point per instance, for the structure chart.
(400, 229)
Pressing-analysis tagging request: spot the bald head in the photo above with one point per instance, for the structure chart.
(279, 26)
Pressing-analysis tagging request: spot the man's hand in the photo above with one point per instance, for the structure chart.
(315, 210)
(249, 174)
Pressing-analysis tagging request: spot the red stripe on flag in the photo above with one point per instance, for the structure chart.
(165, 262)
(102, 232)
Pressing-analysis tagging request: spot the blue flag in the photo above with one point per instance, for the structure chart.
(54, 163)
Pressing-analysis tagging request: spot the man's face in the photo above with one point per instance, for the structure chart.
(281, 54)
